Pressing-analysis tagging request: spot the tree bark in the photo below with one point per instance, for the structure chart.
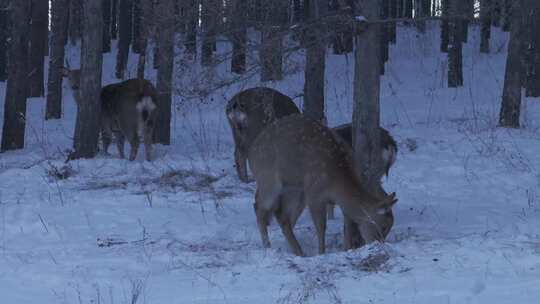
(239, 36)
(106, 26)
(125, 36)
(17, 84)
(38, 38)
(146, 24)
(420, 13)
(87, 125)
(533, 50)
(366, 108)
(507, 14)
(137, 29)
(114, 19)
(485, 18)
(59, 21)
(4, 37)
(75, 28)
(271, 50)
(511, 100)
(191, 28)
(162, 131)
(445, 26)
(455, 47)
(208, 25)
(315, 63)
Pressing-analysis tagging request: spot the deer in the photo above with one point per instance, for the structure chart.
(248, 112)
(298, 163)
(128, 110)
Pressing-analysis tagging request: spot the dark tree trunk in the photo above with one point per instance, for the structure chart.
(17, 84)
(75, 26)
(455, 47)
(125, 36)
(485, 18)
(393, 11)
(343, 40)
(114, 19)
(59, 19)
(208, 24)
(511, 100)
(38, 37)
(191, 28)
(419, 14)
(445, 26)
(4, 37)
(87, 126)
(271, 50)
(106, 26)
(239, 37)
(507, 13)
(384, 39)
(496, 11)
(366, 113)
(408, 9)
(137, 16)
(315, 64)
(533, 49)
(146, 24)
(162, 131)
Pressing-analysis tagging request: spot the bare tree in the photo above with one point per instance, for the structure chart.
(137, 26)
(162, 131)
(511, 99)
(75, 26)
(315, 41)
(533, 49)
(125, 36)
(106, 25)
(59, 18)
(146, 25)
(274, 16)
(366, 107)
(239, 36)
(87, 126)
(208, 25)
(4, 36)
(485, 17)
(455, 47)
(38, 40)
(192, 11)
(15, 99)
(114, 19)
(445, 25)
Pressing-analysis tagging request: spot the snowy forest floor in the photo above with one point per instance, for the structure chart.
(181, 229)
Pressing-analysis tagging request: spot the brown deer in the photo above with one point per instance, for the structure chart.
(248, 112)
(127, 110)
(298, 162)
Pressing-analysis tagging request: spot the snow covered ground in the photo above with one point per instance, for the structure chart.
(181, 229)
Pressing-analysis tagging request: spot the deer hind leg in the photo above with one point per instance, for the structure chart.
(106, 133)
(263, 218)
(147, 137)
(120, 139)
(317, 208)
(134, 142)
(290, 208)
(241, 165)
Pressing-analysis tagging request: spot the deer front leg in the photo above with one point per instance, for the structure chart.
(120, 139)
(240, 160)
(317, 209)
(148, 132)
(263, 220)
(134, 143)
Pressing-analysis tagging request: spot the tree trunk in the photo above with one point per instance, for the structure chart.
(408, 9)
(191, 28)
(162, 132)
(4, 38)
(455, 47)
(75, 27)
(17, 84)
(496, 11)
(114, 19)
(315, 64)
(146, 24)
(38, 37)
(87, 126)
(343, 40)
(239, 37)
(507, 13)
(511, 100)
(533, 50)
(137, 33)
(366, 107)
(419, 9)
(445, 26)
(271, 50)
(485, 18)
(59, 19)
(208, 20)
(384, 31)
(125, 36)
(393, 11)
(106, 26)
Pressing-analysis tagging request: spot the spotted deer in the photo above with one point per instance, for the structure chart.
(298, 162)
(128, 110)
